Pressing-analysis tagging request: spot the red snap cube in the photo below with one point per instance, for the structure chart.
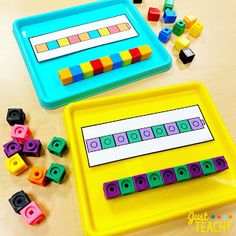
(136, 55)
(97, 66)
(153, 14)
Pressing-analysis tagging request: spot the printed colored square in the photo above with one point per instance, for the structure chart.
(113, 29)
(168, 176)
(196, 123)
(141, 182)
(220, 163)
(41, 48)
(84, 36)
(182, 173)
(63, 42)
(171, 128)
(155, 179)
(184, 126)
(135, 54)
(126, 58)
(74, 39)
(65, 76)
(52, 45)
(208, 167)
(121, 139)
(93, 145)
(117, 61)
(104, 31)
(107, 63)
(126, 186)
(159, 131)
(145, 51)
(107, 141)
(77, 73)
(134, 136)
(94, 34)
(87, 69)
(195, 169)
(111, 189)
(97, 66)
(123, 26)
(146, 133)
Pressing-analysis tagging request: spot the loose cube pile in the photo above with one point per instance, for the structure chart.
(104, 64)
(189, 23)
(154, 179)
(22, 145)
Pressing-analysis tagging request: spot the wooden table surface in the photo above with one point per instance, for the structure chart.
(214, 65)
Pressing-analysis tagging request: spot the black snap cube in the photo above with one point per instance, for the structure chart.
(186, 55)
(19, 200)
(15, 116)
(137, 1)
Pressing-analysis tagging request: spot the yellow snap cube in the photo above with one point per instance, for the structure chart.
(145, 51)
(84, 36)
(104, 31)
(196, 29)
(65, 76)
(189, 20)
(126, 58)
(15, 164)
(87, 69)
(107, 63)
(63, 42)
(123, 26)
(182, 42)
(41, 47)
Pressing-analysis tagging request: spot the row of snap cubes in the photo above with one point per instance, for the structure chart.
(167, 176)
(143, 134)
(104, 64)
(77, 38)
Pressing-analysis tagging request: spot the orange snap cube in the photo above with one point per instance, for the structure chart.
(37, 176)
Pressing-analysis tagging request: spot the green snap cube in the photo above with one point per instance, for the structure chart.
(155, 179)
(134, 136)
(179, 27)
(56, 173)
(208, 167)
(57, 146)
(159, 131)
(126, 186)
(169, 4)
(182, 173)
(184, 126)
(107, 141)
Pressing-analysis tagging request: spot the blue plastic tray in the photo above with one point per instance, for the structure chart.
(44, 75)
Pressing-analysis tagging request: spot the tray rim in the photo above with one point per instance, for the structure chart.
(154, 220)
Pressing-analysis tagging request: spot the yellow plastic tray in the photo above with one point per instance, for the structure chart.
(148, 208)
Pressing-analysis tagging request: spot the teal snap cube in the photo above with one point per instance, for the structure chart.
(182, 173)
(208, 167)
(57, 146)
(56, 173)
(155, 179)
(126, 186)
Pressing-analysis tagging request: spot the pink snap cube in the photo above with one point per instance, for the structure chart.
(32, 214)
(20, 133)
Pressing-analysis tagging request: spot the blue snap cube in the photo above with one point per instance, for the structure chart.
(165, 34)
(169, 16)
(77, 73)
(117, 61)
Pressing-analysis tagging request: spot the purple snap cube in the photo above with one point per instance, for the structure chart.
(195, 169)
(111, 189)
(93, 145)
(220, 163)
(12, 148)
(196, 123)
(146, 133)
(32, 147)
(141, 182)
(121, 139)
(168, 176)
(171, 128)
